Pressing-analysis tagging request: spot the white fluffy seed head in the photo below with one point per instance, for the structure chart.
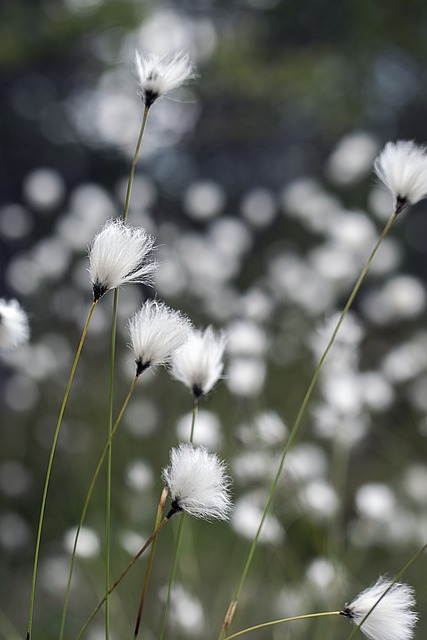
(199, 362)
(120, 254)
(159, 74)
(14, 327)
(198, 483)
(402, 167)
(393, 617)
(156, 331)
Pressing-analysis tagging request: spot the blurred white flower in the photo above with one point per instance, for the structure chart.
(14, 328)
(198, 363)
(156, 331)
(159, 74)
(198, 483)
(402, 167)
(392, 618)
(120, 254)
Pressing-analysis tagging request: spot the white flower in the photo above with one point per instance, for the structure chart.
(120, 254)
(198, 483)
(158, 74)
(402, 167)
(156, 331)
(392, 618)
(198, 364)
(14, 328)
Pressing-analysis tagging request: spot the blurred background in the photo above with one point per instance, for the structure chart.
(257, 182)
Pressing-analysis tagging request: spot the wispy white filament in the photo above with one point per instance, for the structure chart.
(393, 617)
(402, 167)
(156, 331)
(157, 75)
(120, 254)
(199, 362)
(198, 483)
(14, 328)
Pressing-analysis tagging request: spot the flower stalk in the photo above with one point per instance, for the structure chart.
(50, 464)
(233, 605)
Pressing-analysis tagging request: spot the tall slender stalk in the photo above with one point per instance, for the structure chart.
(233, 604)
(87, 500)
(125, 572)
(179, 535)
(307, 616)
(50, 464)
(111, 384)
(160, 508)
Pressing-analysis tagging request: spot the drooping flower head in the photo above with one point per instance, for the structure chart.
(14, 327)
(198, 483)
(156, 331)
(199, 362)
(402, 167)
(120, 254)
(393, 617)
(159, 74)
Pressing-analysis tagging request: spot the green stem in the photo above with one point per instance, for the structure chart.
(111, 389)
(122, 575)
(172, 573)
(134, 160)
(233, 605)
(179, 534)
(160, 508)
(401, 573)
(50, 464)
(274, 622)
(86, 504)
(110, 463)
(194, 416)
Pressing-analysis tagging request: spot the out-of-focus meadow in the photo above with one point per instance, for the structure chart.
(256, 180)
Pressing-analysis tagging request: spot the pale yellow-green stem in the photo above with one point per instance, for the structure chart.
(123, 574)
(50, 464)
(87, 500)
(160, 509)
(283, 620)
(233, 604)
(111, 384)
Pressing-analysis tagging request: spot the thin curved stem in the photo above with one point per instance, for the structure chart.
(233, 605)
(134, 161)
(111, 386)
(123, 574)
(160, 509)
(193, 418)
(86, 504)
(50, 464)
(274, 622)
(110, 462)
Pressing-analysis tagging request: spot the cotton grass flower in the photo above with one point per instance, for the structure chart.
(14, 327)
(198, 483)
(402, 167)
(199, 362)
(120, 254)
(392, 618)
(156, 331)
(159, 74)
